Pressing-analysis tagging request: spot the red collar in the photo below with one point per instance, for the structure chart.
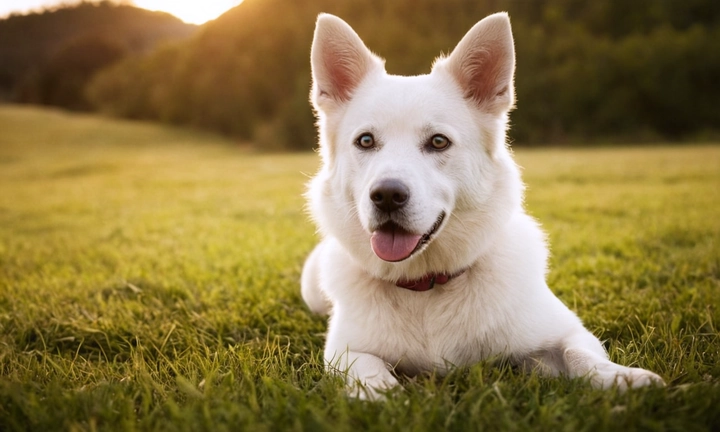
(428, 281)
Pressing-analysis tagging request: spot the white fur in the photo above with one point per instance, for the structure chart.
(500, 306)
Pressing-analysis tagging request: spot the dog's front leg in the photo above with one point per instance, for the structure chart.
(584, 356)
(367, 376)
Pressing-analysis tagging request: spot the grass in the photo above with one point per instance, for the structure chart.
(149, 281)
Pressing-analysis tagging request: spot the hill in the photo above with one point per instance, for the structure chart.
(47, 57)
(586, 70)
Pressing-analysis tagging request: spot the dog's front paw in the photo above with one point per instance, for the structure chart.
(607, 375)
(372, 388)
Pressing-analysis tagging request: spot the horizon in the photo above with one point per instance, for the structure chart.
(190, 12)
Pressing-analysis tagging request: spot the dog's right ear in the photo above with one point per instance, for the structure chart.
(340, 61)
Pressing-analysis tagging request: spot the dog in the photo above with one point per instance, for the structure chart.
(428, 260)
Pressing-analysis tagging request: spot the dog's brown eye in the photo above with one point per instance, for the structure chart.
(439, 142)
(366, 141)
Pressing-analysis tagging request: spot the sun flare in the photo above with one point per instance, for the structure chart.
(195, 11)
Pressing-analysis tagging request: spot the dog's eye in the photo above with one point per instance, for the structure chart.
(365, 141)
(439, 142)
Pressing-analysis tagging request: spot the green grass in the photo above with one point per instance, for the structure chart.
(149, 281)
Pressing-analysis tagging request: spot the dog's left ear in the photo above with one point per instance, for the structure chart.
(483, 63)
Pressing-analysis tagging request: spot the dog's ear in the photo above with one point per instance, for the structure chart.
(340, 61)
(483, 63)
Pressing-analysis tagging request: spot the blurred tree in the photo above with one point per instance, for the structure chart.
(28, 42)
(586, 70)
(62, 81)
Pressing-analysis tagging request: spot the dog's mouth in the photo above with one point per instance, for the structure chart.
(393, 243)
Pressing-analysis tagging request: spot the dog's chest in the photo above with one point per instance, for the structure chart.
(435, 330)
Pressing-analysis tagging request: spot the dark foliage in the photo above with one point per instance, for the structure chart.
(61, 82)
(49, 57)
(587, 71)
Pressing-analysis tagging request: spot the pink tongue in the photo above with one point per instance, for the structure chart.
(393, 243)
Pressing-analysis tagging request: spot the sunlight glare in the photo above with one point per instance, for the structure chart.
(194, 12)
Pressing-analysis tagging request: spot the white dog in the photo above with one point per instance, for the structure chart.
(428, 259)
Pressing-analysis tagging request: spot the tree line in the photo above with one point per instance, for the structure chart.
(587, 71)
(49, 57)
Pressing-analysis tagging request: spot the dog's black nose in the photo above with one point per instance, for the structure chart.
(389, 194)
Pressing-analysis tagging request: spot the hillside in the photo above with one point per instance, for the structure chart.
(33, 46)
(587, 71)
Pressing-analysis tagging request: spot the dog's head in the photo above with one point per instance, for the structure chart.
(416, 174)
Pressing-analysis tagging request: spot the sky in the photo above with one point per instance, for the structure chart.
(190, 11)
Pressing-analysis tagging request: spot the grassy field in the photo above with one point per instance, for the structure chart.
(149, 281)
